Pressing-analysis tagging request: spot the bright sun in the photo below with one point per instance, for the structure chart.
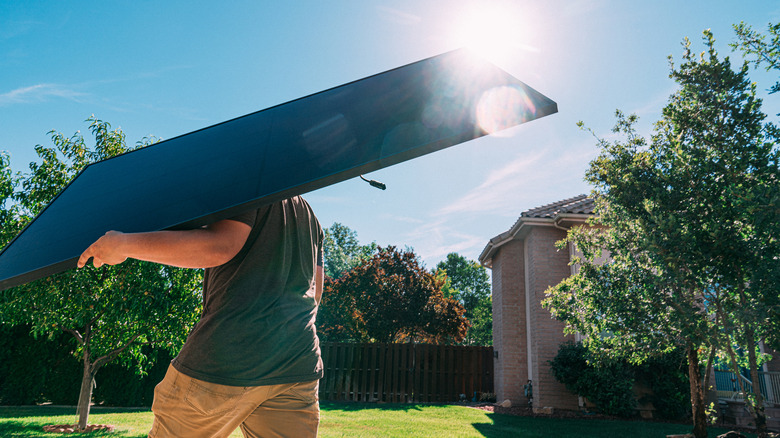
(490, 29)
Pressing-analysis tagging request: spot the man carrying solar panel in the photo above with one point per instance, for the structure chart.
(253, 360)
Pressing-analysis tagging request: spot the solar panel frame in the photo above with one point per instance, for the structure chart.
(268, 155)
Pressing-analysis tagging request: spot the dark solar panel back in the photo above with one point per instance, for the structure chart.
(269, 155)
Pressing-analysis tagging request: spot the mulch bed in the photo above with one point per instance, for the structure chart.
(71, 428)
(525, 411)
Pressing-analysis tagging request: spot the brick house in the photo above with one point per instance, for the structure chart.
(525, 262)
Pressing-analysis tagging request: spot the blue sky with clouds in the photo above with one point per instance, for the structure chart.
(168, 68)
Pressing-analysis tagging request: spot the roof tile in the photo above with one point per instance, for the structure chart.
(581, 204)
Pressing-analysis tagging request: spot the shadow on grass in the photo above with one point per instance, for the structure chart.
(19, 429)
(503, 425)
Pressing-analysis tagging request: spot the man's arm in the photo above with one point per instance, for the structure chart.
(206, 247)
(319, 280)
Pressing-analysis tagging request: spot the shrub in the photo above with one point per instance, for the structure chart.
(667, 377)
(608, 383)
(35, 370)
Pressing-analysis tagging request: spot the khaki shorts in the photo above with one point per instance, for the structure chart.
(184, 407)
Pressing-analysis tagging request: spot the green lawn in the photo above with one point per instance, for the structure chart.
(359, 420)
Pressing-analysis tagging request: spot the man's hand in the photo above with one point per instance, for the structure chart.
(105, 251)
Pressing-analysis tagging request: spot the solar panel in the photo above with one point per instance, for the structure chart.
(266, 156)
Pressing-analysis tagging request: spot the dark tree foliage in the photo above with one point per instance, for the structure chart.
(608, 382)
(390, 298)
(468, 282)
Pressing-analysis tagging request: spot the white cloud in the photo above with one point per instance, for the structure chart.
(398, 16)
(496, 187)
(403, 219)
(437, 238)
(38, 93)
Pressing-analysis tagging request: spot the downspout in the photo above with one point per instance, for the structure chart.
(560, 227)
(577, 336)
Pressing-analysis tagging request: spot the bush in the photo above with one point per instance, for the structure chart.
(608, 383)
(21, 381)
(35, 370)
(116, 385)
(667, 377)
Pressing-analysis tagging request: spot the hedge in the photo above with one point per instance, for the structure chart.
(37, 370)
(608, 383)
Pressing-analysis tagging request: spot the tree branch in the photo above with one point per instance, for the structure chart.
(99, 362)
(75, 334)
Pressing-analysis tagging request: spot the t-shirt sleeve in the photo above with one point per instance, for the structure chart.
(246, 218)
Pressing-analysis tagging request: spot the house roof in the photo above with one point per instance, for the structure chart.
(581, 204)
(576, 209)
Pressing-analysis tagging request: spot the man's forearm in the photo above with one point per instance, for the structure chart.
(185, 249)
(200, 248)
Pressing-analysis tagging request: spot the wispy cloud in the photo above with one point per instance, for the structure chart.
(39, 93)
(404, 219)
(437, 238)
(654, 106)
(398, 16)
(493, 191)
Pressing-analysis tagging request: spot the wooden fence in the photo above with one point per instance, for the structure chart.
(401, 373)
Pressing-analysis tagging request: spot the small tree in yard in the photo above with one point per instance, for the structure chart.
(343, 251)
(691, 223)
(468, 282)
(389, 298)
(111, 312)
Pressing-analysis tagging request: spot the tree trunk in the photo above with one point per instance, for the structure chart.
(758, 407)
(85, 395)
(697, 394)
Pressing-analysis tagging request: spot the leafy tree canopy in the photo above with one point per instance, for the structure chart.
(390, 298)
(763, 52)
(691, 223)
(342, 250)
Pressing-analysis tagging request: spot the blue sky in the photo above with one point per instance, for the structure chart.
(168, 68)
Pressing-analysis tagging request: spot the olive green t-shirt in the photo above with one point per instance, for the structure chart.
(257, 326)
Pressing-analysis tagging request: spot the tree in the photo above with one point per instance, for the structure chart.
(690, 221)
(111, 312)
(389, 298)
(467, 281)
(342, 250)
(752, 43)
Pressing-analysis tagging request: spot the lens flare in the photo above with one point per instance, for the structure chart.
(502, 107)
(494, 30)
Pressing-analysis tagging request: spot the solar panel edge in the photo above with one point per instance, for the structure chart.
(414, 151)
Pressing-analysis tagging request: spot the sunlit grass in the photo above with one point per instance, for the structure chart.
(361, 420)
(28, 421)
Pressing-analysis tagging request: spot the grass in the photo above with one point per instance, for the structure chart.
(361, 420)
